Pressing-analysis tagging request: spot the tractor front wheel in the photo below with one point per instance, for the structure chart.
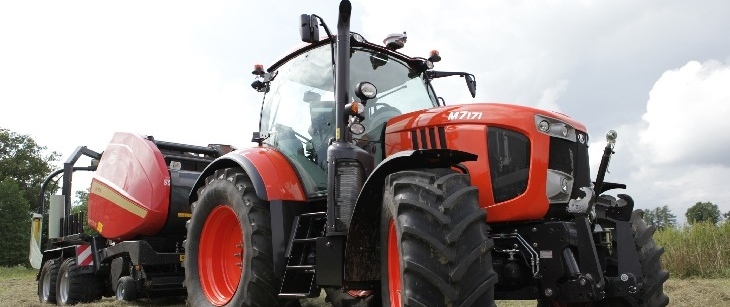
(435, 248)
(228, 254)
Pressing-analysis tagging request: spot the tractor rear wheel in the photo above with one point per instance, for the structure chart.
(75, 287)
(47, 281)
(228, 253)
(435, 248)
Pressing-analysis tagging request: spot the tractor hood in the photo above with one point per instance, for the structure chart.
(496, 114)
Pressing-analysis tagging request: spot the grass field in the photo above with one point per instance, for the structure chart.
(18, 288)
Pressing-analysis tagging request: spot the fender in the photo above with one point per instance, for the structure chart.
(272, 175)
(362, 256)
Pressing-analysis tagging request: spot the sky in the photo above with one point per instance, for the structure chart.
(657, 71)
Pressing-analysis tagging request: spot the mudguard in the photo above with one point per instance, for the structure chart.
(271, 173)
(362, 256)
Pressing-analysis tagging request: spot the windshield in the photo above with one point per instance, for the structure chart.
(299, 107)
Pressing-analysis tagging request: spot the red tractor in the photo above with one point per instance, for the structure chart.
(365, 184)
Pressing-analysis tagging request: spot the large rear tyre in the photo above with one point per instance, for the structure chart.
(435, 249)
(47, 281)
(228, 253)
(75, 287)
(652, 290)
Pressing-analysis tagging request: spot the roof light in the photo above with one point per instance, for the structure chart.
(434, 56)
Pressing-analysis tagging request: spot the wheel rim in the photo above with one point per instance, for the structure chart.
(46, 287)
(63, 285)
(395, 286)
(120, 292)
(220, 259)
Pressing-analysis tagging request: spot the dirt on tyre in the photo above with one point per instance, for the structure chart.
(74, 287)
(228, 251)
(435, 249)
(47, 281)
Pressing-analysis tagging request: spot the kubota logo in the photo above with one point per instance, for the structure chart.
(464, 115)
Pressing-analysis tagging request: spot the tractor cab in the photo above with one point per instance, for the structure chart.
(298, 114)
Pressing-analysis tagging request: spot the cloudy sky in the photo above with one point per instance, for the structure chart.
(656, 71)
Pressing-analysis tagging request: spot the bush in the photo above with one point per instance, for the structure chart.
(698, 250)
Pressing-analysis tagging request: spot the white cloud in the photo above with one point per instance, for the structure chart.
(688, 115)
(677, 155)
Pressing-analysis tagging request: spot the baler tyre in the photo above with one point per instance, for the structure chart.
(652, 291)
(435, 247)
(228, 251)
(47, 281)
(74, 287)
(126, 289)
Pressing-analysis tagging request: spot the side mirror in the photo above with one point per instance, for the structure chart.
(471, 84)
(309, 29)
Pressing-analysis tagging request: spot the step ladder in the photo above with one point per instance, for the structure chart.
(299, 279)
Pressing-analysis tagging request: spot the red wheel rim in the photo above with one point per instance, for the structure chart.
(395, 286)
(220, 259)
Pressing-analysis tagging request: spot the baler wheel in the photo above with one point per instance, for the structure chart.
(47, 282)
(228, 251)
(435, 245)
(126, 289)
(75, 287)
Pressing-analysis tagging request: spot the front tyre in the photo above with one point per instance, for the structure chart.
(435, 248)
(652, 291)
(228, 254)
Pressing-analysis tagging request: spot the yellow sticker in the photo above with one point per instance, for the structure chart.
(99, 227)
(182, 257)
(183, 214)
(337, 134)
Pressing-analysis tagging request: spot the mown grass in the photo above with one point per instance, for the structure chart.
(701, 250)
(697, 258)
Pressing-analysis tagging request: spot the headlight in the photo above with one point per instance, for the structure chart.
(366, 90)
(559, 185)
(554, 127)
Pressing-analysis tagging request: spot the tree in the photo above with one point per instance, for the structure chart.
(703, 212)
(23, 168)
(660, 217)
(24, 161)
(14, 224)
(726, 216)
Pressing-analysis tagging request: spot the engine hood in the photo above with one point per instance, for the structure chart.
(497, 114)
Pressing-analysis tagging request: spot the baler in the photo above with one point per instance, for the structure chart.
(137, 209)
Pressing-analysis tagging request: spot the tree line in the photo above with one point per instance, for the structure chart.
(701, 212)
(24, 165)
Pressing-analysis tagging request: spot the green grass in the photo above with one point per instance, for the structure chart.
(701, 250)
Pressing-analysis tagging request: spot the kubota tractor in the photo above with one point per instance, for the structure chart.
(366, 184)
